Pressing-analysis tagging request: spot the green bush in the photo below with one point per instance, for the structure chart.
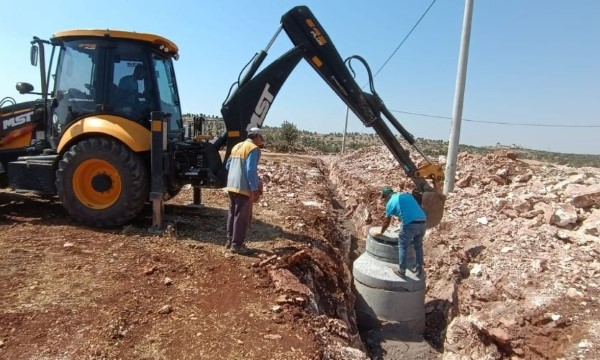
(284, 138)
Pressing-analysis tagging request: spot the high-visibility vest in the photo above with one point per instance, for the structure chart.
(237, 179)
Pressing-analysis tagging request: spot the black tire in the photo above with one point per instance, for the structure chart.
(102, 183)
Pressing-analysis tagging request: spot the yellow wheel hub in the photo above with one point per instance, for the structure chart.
(97, 184)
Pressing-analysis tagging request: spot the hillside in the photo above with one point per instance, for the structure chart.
(331, 143)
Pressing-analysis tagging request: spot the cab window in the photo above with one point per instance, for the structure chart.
(74, 92)
(167, 89)
(130, 87)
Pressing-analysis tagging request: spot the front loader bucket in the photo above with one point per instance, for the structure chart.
(433, 204)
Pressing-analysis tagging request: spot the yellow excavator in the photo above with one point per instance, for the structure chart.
(107, 136)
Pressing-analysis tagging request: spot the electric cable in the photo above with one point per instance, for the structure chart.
(405, 38)
(497, 122)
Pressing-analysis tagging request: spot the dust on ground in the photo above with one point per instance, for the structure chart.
(71, 292)
(512, 270)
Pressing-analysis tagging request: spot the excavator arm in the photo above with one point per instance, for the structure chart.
(247, 105)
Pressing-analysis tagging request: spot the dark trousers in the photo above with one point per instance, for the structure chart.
(411, 233)
(238, 219)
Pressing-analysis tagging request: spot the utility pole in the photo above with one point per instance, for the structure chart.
(459, 93)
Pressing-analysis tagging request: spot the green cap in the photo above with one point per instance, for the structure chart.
(386, 191)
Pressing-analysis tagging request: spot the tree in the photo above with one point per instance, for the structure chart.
(289, 134)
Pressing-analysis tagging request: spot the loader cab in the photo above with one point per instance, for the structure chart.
(113, 73)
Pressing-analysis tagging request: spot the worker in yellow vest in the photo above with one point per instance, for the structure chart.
(244, 188)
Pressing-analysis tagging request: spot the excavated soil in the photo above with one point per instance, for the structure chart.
(71, 292)
(512, 270)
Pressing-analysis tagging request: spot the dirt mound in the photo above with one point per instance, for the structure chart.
(70, 292)
(513, 268)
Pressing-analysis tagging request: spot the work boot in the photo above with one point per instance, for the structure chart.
(227, 245)
(241, 250)
(418, 272)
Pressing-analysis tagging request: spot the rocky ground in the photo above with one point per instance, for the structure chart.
(513, 269)
(70, 292)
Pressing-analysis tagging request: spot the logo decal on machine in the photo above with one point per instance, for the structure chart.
(16, 120)
(264, 103)
(319, 37)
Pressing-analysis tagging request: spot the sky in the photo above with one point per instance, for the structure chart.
(530, 61)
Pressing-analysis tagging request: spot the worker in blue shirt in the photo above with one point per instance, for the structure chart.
(405, 207)
(244, 188)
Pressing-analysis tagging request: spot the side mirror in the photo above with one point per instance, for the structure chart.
(24, 88)
(33, 55)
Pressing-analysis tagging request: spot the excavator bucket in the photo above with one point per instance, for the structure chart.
(433, 204)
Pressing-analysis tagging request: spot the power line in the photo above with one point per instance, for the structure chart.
(498, 122)
(405, 37)
(463, 119)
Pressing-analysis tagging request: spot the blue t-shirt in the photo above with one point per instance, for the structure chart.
(406, 207)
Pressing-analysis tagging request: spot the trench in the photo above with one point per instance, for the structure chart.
(377, 337)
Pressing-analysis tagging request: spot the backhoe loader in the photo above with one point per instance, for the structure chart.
(107, 136)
